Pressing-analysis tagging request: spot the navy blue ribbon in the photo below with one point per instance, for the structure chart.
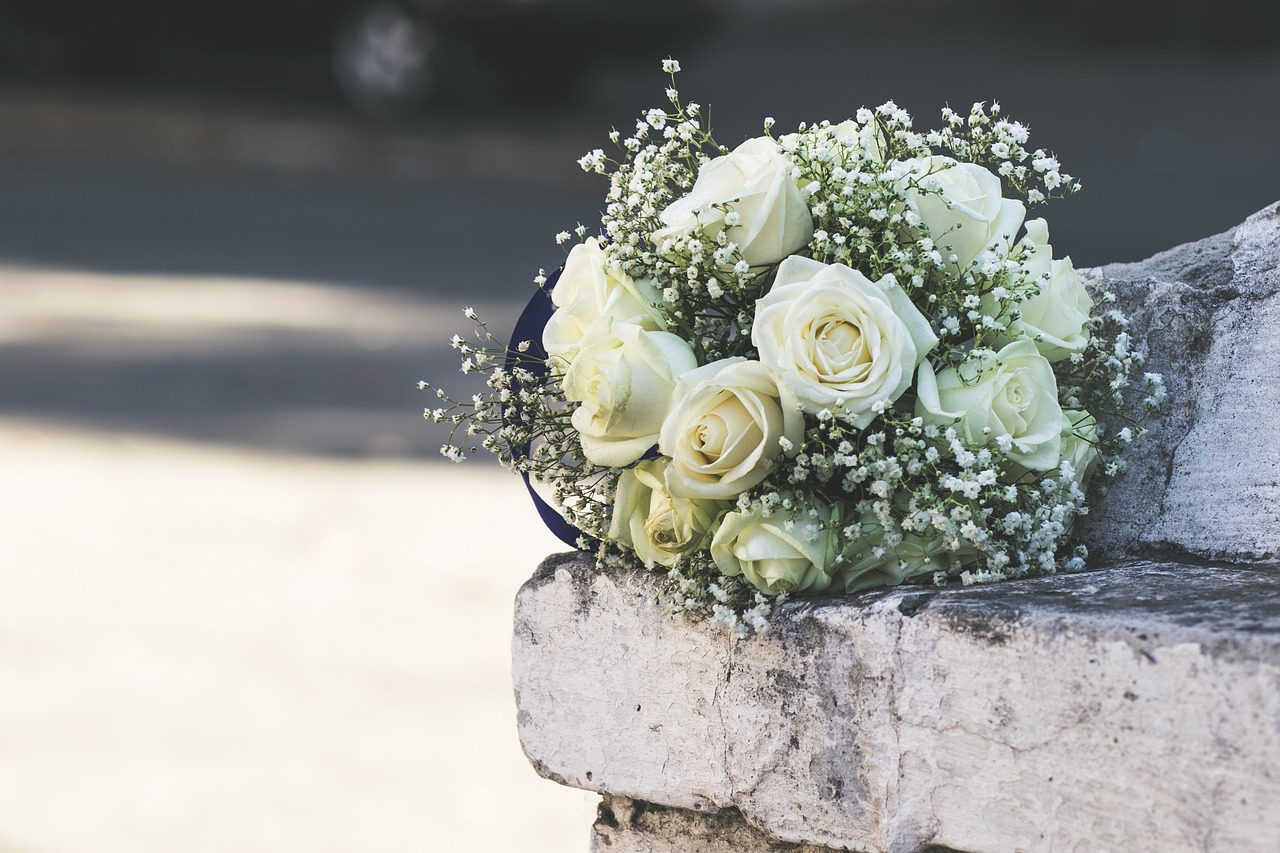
(529, 328)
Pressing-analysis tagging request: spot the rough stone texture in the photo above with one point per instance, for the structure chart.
(634, 826)
(1206, 482)
(1134, 707)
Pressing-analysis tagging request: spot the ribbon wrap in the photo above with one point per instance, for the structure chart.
(533, 319)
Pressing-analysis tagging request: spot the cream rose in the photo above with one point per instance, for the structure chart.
(961, 206)
(785, 552)
(1012, 401)
(587, 292)
(1055, 318)
(623, 377)
(839, 340)
(753, 182)
(725, 427)
(658, 527)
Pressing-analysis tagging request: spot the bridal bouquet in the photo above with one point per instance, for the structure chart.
(823, 361)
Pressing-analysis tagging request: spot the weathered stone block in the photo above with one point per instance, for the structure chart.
(1139, 705)
(1206, 481)
(1134, 707)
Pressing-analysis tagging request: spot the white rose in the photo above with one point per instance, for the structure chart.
(753, 181)
(588, 291)
(961, 206)
(1014, 398)
(1055, 318)
(836, 338)
(862, 140)
(658, 527)
(623, 377)
(772, 557)
(725, 427)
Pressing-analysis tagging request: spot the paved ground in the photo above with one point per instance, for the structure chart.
(211, 650)
(208, 648)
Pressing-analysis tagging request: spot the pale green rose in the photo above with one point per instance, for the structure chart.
(1011, 401)
(1055, 318)
(658, 527)
(726, 429)
(623, 378)
(962, 207)
(589, 292)
(772, 557)
(1079, 437)
(867, 564)
(838, 339)
(754, 182)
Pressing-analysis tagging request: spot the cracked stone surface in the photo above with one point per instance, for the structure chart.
(1206, 481)
(1136, 706)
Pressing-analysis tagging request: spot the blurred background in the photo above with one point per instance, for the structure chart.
(243, 604)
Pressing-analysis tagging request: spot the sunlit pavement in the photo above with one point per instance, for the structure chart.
(205, 648)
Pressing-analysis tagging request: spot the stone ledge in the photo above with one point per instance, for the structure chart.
(1136, 707)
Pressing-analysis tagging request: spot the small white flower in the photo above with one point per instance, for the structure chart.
(592, 161)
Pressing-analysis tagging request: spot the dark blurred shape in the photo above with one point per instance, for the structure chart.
(389, 58)
(1211, 24)
(1204, 25)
